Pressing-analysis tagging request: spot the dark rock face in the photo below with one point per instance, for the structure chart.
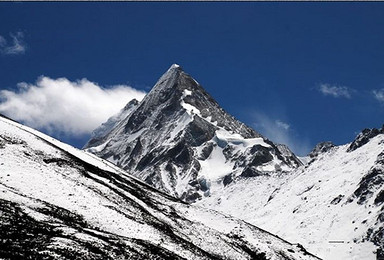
(206, 151)
(379, 198)
(286, 155)
(364, 137)
(199, 131)
(322, 147)
(165, 139)
(250, 172)
(377, 237)
(227, 179)
(261, 155)
(371, 182)
(23, 237)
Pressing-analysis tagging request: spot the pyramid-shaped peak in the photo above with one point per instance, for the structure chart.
(174, 79)
(177, 93)
(175, 66)
(176, 122)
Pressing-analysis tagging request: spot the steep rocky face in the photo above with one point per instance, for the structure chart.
(179, 140)
(321, 148)
(364, 137)
(100, 134)
(371, 183)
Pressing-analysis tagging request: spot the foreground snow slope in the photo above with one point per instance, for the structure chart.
(57, 202)
(333, 205)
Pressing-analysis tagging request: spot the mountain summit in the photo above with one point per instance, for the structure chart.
(179, 140)
(178, 93)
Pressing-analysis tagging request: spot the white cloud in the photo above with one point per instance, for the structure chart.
(3, 42)
(335, 91)
(17, 45)
(280, 132)
(379, 94)
(61, 106)
(282, 125)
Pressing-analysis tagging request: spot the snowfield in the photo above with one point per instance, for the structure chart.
(61, 202)
(315, 204)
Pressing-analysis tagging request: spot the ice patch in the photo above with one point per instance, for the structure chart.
(186, 92)
(223, 138)
(191, 110)
(215, 166)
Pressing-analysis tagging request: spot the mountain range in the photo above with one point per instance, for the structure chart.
(180, 141)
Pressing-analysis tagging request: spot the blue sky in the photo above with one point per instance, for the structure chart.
(299, 73)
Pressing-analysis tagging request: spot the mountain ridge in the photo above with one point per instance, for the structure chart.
(62, 203)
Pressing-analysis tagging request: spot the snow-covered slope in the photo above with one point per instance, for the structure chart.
(179, 140)
(57, 202)
(334, 205)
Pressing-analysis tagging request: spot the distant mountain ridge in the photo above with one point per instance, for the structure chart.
(333, 205)
(179, 140)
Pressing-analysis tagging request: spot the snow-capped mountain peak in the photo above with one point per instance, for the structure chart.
(180, 140)
(174, 65)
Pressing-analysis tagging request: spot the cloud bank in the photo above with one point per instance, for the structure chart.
(65, 107)
(279, 131)
(17, 45)
(335, 91)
